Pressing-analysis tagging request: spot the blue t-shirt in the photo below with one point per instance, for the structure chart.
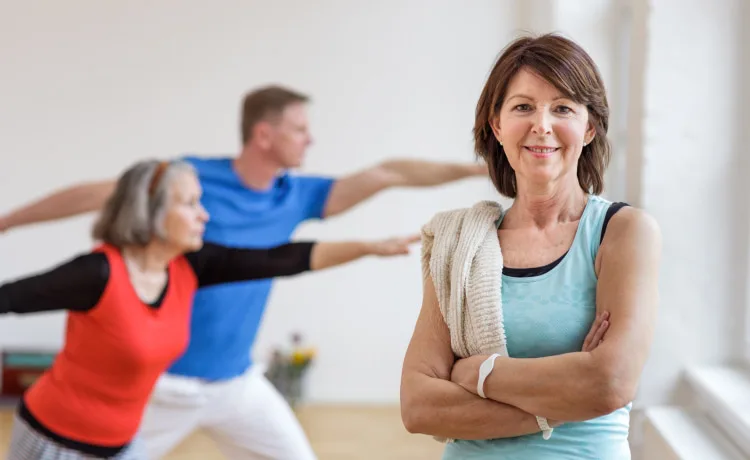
(225, 318)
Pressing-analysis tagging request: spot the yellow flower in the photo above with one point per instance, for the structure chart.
(302, 356)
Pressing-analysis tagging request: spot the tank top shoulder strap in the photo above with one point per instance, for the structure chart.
(596, 220)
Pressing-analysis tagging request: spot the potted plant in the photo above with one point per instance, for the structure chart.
(287, 369)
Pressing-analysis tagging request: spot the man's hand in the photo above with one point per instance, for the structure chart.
(480, 169)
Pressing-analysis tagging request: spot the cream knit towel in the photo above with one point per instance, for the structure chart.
(461, 252)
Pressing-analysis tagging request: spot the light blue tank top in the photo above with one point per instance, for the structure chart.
(548, 311)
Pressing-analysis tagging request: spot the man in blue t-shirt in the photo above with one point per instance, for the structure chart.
(253, 201)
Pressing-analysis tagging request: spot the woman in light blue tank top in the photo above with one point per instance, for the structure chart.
(548, 311)
(577, 268)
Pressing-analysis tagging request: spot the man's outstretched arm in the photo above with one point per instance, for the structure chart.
(351, 190)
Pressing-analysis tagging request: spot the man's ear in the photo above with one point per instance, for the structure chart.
(262, 132)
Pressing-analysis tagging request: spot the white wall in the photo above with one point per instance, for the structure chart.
(89, 87)
(744, 164)
(694, 181)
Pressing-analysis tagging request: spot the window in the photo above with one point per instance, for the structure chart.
(724, 391)
(747, 265)
(745, 36)
(634, 43)
(620, 102)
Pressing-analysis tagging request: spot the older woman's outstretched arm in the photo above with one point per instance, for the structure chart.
(583, 385)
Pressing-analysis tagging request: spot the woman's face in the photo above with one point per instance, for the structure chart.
(541, 131)
(185, 218)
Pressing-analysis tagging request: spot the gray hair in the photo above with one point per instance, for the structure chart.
(134, 213)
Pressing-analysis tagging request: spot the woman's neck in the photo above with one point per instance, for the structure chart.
(152, 258)
(147, 269)
(545, 208)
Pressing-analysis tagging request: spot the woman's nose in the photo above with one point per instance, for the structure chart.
(542, 123)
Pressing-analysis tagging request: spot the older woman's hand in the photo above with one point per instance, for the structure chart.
(466, 370)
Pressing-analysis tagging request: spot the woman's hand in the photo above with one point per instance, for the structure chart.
(466, 370)
(596, 334)
(392, 246)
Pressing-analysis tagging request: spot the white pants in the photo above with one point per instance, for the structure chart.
(245, 416)
(28, 444)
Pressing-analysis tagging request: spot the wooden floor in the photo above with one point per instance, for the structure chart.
(336, 433)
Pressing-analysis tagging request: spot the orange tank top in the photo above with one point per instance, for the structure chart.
(99, 384)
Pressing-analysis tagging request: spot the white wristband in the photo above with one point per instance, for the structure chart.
(544, 426)
(484, 371)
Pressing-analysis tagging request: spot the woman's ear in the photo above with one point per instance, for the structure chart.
(495, 125)
(590, 134)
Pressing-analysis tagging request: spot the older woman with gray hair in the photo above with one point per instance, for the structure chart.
(129, 303)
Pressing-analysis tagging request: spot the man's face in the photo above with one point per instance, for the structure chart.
(289, 136)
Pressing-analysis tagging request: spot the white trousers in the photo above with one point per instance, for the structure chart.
(28, 444)
(245, 416)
